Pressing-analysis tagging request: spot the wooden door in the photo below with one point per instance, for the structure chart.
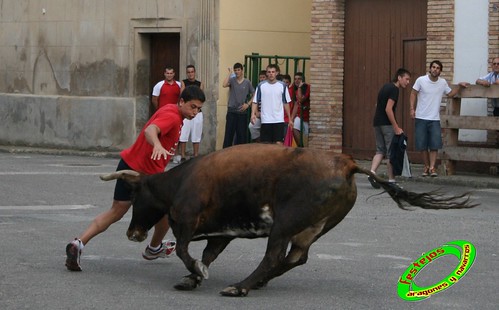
(165, 51)
(380, 37)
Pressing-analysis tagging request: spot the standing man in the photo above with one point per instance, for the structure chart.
(254, 129)
(274, 98)
(148, 155)
(193, 127)
(301, 111)
(240, 94)
(427, 92)
(490, 79)
(166, 91)
(385, 124)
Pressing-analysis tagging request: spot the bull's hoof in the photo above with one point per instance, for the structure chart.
(188, 283)
(201, 269)
(232, 291)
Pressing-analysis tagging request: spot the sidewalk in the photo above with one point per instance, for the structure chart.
(460, 179)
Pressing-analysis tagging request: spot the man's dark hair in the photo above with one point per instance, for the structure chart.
(300, 74)
(437, 62)
(190, 66)
(238, 65)
(192, 92)
(263, 72)
(400, 72)
(168, 67)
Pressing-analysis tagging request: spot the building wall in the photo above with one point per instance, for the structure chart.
(327, 59)
(89, 54)
(280, 27)
(327, 72)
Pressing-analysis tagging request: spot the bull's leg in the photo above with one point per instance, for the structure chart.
(298, 253)
(276, 251)
(297, 256)
(213, 248)
(183, 233)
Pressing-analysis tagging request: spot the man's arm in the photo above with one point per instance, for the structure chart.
(151, 133)
(412, 100)
(226, 80)
(154, 101)
(391, 117)
(457, 89)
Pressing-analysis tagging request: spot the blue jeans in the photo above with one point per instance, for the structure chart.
(428, 135)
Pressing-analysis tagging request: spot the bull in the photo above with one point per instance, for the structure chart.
(293, 196)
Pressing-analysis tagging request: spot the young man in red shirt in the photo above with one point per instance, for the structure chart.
(166, 91)
(148, 155)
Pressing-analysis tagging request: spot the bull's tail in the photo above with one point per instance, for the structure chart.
(428, 200)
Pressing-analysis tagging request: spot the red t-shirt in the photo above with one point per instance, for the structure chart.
(138, 156)
(169, 94)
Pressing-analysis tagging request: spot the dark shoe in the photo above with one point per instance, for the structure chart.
(73, 254)
(373, 182)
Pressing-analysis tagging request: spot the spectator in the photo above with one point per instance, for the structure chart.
(385, 124)
(148, 155)
(240, 94)
(273, 96)
(254, 129)
(490, 79)
(427, 92)
(301, 111)
(194, 127)
(166, 91)
(286, 79)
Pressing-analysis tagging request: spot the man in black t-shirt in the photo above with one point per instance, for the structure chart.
(385, 124)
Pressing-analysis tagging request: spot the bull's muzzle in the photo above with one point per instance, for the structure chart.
(137, 235)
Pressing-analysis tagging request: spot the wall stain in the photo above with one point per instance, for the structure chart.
(100, 78)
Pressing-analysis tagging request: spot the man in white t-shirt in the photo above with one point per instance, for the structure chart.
(429, 90)
(273, 96)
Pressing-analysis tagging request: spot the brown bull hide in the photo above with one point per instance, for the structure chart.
(291, 195)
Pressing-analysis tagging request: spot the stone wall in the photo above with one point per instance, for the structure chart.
(84, 123)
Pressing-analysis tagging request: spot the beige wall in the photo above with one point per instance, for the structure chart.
(280, 27)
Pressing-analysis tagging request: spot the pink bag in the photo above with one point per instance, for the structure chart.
(288, 139)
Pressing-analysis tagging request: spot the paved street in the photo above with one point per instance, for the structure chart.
(47, 200)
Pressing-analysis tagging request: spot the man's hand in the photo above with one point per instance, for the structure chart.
(159, 151)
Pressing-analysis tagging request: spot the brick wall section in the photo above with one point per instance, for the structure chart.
(326, 74)
(492, 135)
(493, 28)
(440, 35)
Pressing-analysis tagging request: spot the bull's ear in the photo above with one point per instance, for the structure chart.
(130, 176)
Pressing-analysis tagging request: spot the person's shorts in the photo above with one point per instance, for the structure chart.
(122, 190)
(428, 135)
(254, 129)
(272, 133)
(384, 136)
(297, 125)
(194, 128)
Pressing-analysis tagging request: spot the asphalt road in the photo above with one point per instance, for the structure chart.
(47, 200)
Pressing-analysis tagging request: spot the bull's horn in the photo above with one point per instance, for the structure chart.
(118, 174)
